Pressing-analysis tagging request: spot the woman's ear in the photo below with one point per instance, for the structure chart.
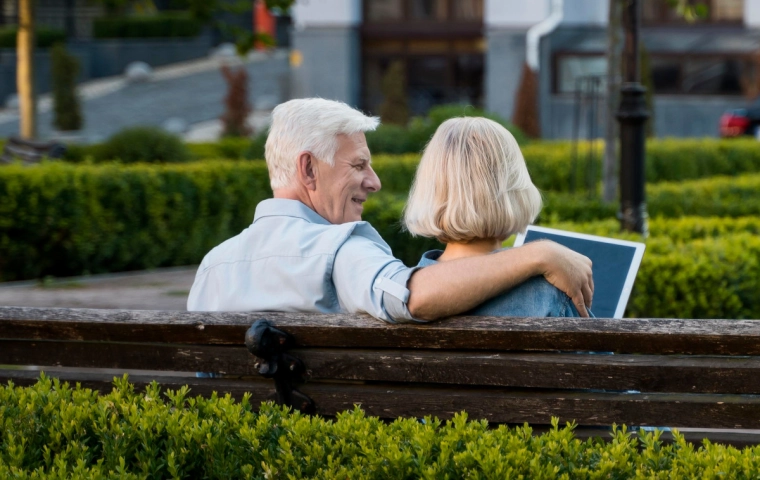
(307, 176)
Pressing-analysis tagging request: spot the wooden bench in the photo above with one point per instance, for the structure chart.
(30, 152)
(677, 373)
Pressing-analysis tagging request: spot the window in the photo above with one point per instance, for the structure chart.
(422, 11)
(572, 68)
(671, 74)
(384, 10)
(658, 12)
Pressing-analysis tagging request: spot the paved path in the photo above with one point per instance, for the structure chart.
(160, 289)
(192, 91)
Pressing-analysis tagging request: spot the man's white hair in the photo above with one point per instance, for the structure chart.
(309, 125)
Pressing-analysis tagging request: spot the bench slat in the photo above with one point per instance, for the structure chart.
(661, 336)
(493, 404)
(261, 390)
(651, 373)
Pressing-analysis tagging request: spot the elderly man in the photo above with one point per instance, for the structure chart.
(308, 250)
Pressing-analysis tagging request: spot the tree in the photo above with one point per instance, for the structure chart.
(394, 109)
(65, 69)
(25, 69)
(237, 108)
(611, 131)
(691, 12)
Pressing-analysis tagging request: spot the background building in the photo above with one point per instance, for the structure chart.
(473, 51)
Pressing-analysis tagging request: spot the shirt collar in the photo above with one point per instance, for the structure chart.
(281, 207)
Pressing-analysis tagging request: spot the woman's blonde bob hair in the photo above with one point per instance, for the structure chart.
(472, 183)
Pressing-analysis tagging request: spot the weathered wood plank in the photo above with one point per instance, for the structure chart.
(495, 405)
(651, 373)
(261, 390)
(232, 360)
(705, 337)
(646, 373)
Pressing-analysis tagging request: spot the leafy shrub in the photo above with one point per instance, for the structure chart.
(163, 25)
(45, 37)
(234, 148)
(53, 430)
(65, 69)
(143, 144)
(395, 139)
(394, 110)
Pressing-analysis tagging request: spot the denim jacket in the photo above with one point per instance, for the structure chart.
(534, 298)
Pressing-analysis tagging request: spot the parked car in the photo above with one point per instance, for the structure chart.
(741, 121)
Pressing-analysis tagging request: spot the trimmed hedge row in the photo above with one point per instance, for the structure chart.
(51, 430)
(162, 25)
(45, 37)
(693, 267)
(717, 196)
(551, 163)
(61, 219)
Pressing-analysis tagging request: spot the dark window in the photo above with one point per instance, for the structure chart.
(439, 42)
(712, 76)
(666, 74)
(383, 10)
(422, 11)
(671, 74)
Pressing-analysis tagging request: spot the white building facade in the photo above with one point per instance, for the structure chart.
(473, 51)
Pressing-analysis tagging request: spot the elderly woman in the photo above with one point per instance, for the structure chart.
(472, 190)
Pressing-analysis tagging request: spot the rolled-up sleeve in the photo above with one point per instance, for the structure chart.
(369, 279)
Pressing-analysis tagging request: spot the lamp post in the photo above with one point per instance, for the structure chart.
(632, 115)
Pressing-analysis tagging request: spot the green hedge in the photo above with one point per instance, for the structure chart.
(718, 196)
(45, 37)
(50, 430)
(693, 267)
(163, 25)
(394, 139)
(551, 163)
(62, 219)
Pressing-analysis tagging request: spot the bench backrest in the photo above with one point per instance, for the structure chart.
(30, 151)
(679, 373)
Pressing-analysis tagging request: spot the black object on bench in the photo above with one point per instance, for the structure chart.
(678, 373)
(29, 151)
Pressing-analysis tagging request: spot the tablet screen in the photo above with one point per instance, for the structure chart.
(615, 264)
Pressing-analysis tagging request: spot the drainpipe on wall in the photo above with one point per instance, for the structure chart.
(540, 30)
(526, 101)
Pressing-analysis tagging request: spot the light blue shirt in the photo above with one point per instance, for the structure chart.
(293, 260)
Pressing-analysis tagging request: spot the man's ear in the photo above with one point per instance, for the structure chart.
(307, 174)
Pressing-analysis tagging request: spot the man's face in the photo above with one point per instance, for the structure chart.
(342, 188)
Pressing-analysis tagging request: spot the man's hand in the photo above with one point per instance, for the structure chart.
(567, 270)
